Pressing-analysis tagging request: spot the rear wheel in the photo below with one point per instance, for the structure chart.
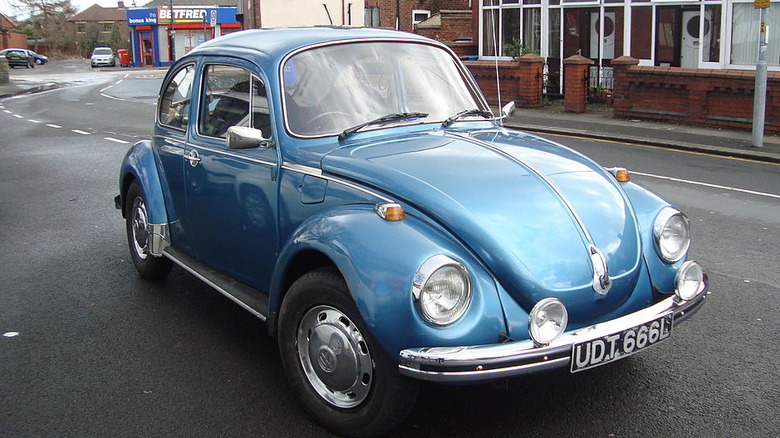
(338, 370)
(138, 238)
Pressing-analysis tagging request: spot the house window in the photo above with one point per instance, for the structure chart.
(371, 18)
(106, 27)
(420, 15)
(81, 27)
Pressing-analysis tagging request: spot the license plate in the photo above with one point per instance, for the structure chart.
(616, 346)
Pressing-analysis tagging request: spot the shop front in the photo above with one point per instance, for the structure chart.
(161, 35)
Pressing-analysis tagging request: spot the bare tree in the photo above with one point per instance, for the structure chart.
(46, 21)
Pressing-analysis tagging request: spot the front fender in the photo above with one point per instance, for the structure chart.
(140, 165)
(647, 205)
(379, 259)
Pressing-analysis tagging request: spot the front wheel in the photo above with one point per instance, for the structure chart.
(138, 238)
(340, 373)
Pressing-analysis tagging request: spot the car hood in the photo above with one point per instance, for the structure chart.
(530, 209)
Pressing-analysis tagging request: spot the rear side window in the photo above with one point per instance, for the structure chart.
(232, 96)
(174, 107)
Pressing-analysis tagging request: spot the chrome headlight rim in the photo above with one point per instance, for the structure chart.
(689, 281)
(667, 218)
(540, 313)
(424, 299)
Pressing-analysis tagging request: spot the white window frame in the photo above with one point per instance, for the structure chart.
(415, 12)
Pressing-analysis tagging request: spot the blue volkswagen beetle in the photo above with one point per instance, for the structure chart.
(352, 189)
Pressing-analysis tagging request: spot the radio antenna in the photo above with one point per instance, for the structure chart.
(496, 54)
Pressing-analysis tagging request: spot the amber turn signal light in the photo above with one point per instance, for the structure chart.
(390, 211)
(621, 174)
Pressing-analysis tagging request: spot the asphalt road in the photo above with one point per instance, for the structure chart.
(90, 350)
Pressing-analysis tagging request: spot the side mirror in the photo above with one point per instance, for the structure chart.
(508, 109)
(244, 137)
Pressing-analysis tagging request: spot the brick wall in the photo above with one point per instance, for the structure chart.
(455, 25)
(388, 9)
(521, 80)
(717, 98)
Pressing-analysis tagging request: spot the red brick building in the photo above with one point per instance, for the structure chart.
(9, 36)
(98, 26)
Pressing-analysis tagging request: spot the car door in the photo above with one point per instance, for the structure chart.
(170, 138)
(231, 195)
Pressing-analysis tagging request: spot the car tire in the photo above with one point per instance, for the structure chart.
(353, 388)
(39, 62)
(136, 224)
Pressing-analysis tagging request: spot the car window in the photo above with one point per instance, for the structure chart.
(174, 106)
(228, 94)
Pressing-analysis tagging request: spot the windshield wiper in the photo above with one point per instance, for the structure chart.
(394, 117)
(467, 113)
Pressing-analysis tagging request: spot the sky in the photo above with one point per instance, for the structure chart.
(7, 8)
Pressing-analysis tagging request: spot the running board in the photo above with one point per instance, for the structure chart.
(245, 296)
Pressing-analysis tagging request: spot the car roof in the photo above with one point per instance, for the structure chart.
(274, 43)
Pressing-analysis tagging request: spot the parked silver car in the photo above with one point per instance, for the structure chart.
(103, 56)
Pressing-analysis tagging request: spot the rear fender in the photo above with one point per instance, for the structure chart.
(379, 259)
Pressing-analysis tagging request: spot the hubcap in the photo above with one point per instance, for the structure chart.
(138, 227)
(334, 356)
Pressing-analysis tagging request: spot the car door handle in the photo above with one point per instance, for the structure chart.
(193, 157)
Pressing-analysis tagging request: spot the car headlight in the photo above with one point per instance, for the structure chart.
(442, 290)
(672, 234)
(689, 280)
(547, 320)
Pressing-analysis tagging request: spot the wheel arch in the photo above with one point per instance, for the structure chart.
(140, 165)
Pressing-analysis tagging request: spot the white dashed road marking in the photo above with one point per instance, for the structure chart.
(116, 140)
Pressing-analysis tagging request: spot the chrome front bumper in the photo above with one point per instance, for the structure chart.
(516, 358)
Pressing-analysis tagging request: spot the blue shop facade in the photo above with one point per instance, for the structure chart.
(162, 35)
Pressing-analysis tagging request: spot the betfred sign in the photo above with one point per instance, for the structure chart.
(183, 15)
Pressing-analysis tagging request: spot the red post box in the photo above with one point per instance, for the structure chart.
(124, 57)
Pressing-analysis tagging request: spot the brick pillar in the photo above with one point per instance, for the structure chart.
(575, 83)
(621, 84)
(3, 70)
(531, 81)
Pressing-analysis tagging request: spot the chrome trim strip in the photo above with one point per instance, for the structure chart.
(159, 234)
(215, 286)
(538, 173)
(299, 168)
(485, 362)
(232, 155)
(313, 171)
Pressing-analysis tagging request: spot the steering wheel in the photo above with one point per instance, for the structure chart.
(327, 120)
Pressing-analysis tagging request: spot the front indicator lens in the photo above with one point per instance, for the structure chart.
(689, 280)
(672, 234)
(547, 321)
(442, 290)
(390, 211)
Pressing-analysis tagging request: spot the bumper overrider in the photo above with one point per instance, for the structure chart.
(516, 358)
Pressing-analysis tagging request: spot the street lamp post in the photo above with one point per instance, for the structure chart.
(171, 32)
(759, 94)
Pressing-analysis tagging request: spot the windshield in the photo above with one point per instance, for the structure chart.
(102, 52)
(332, 88)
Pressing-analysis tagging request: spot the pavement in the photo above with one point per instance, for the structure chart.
(597, 122)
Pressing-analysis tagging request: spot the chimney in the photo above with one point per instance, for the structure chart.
(120, 4)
